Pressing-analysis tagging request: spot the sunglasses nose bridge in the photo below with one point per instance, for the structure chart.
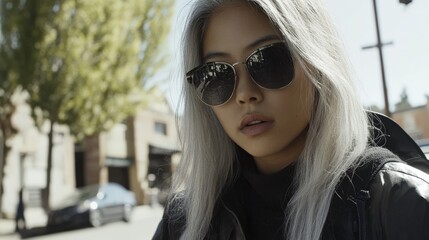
(235, 64)
(235, 68)
(246, 90)
(245, 69)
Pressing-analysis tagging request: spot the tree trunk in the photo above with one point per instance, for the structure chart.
(6, 133)
(47, 190)
(4, 152)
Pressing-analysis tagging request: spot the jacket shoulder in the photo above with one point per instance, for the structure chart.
(399, 204)
(388, 184)
(173, 220)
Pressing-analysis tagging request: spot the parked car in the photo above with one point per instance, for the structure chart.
(95, 204)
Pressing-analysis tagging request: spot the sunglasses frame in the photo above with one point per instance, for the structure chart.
(189, 74)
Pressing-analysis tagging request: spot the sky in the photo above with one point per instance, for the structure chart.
(406, 61)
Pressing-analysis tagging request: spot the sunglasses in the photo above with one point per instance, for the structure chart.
(271, 67)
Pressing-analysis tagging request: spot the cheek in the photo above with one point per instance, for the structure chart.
(226, 119)
(303, 96)
(307, 99)
(297, 106)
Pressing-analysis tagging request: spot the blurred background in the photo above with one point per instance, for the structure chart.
(90, 92)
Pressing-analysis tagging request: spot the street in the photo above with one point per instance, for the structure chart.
(142, 226)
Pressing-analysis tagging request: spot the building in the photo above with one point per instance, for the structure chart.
(414, 120)
(138, 153)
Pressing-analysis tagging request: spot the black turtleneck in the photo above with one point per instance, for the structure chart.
(265, 200)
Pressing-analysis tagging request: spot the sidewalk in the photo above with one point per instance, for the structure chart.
(144, 215)
(35, 217)
(7, 230)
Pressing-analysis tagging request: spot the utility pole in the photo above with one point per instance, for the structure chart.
(380, 45)
(406, 2)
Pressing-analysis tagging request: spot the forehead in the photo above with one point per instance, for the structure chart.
(234, 26)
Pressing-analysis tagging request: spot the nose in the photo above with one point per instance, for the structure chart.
(246, 90)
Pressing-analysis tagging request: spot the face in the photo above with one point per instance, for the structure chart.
(271, 125)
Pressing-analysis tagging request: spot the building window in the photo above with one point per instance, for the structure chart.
(161, 128)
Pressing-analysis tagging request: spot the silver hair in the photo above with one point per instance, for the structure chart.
(338, 130)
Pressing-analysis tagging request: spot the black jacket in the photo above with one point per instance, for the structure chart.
(397, 208)
(385, 198)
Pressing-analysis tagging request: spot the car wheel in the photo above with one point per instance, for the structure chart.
(127, 212)
(95, 218)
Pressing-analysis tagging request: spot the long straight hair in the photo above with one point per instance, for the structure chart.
(338, 129)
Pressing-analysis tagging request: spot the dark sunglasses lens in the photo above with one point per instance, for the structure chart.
(272, 67)
(214, 83)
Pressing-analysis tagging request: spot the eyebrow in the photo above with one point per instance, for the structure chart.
(248, 47)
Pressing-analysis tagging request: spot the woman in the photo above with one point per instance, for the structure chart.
(271, 125)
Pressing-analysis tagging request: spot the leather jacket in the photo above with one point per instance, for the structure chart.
(397, 208)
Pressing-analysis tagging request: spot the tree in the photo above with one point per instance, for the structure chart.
(8, 85)
(7, 130)
(85, 63)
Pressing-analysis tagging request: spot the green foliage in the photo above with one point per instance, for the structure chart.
(84, 63)
(7, 88)
(8, 82)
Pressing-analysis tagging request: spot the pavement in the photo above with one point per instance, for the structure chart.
(36, 220)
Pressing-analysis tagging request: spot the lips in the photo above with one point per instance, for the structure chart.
(255, 124)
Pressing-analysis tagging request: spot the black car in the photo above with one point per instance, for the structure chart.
(95, 204)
